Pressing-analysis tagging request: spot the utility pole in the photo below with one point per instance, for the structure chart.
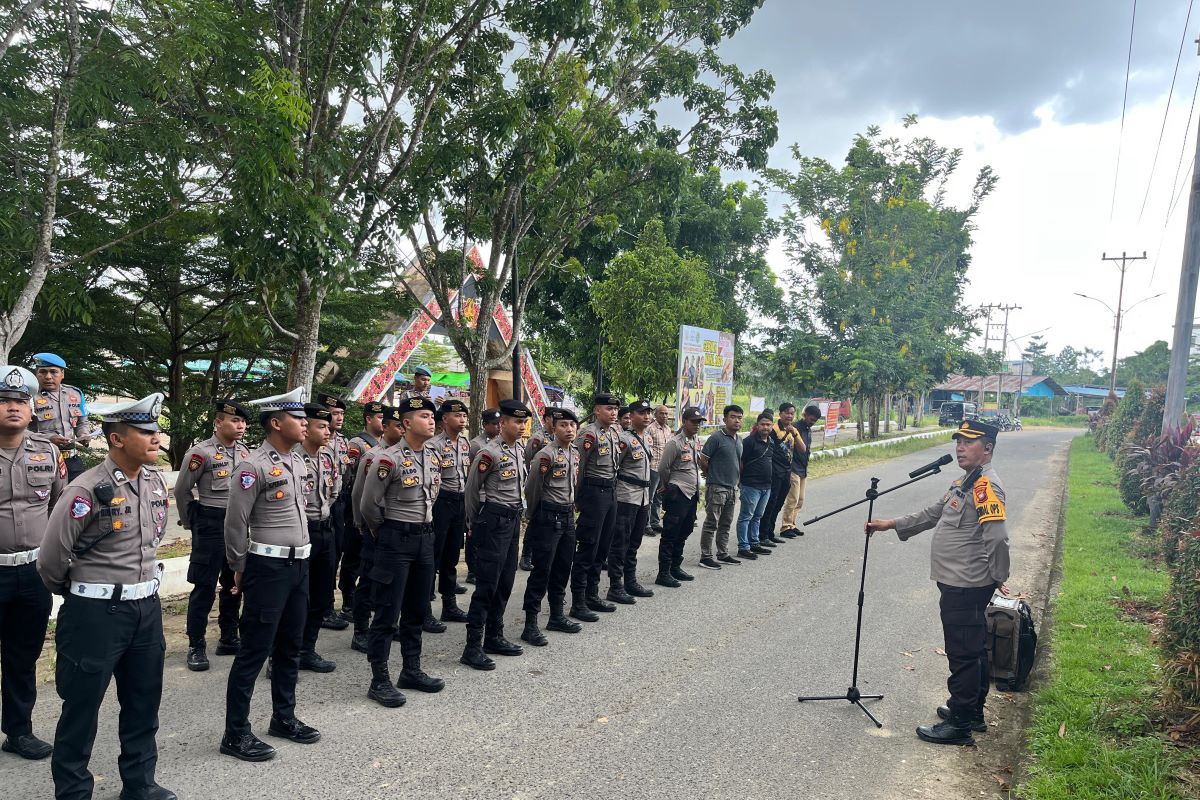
(1185, 307)
(1003, 353)
(518, 385)
(1124, 259)
(987, 335)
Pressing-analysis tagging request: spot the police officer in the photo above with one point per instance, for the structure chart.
(356, 448)
(60, 411)
(599, 446)
(32, 476)
(679, 471)
(969, 563)
(493, 499)
(550, 503)
(633, 507)
(321, 486)
(397, 507)
(267, 545)
(537, 440)
(209, 467)
(490, 420)
(449, 512)
(393, 433)
(340, 446)
(420, 386)
(99, 555)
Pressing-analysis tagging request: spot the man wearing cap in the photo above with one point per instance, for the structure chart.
(339, 445)
(633, 507)
(209, 468)
(397, 507)
(721, 462)
(599, 446)
(450, 511)
(799, 476)
(356, 448)
(680, 473)
(491, 429)
(493, 499)
(267, 545)
(969, 562)
(420, 386)
(99, 555)
(322, 485)
(393, 434)
(550, 499)
(36, 476)
(60, 411)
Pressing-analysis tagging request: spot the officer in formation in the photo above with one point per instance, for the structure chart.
(493, 501)
(356, 448)
(537, 440)
(60, 411)
(393, 434)
(449, 512)
(599, 447)
(490, 420)
(32, 476)
(970, 561)
(209, 467)
(550, 506)
(267, 545)
(420, 386)
(397, 507)
(679, 473)
(339, 444)
(322, 485)
(633, 507)
(99, 554)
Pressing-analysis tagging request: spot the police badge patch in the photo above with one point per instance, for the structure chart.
(195, 462)
(80, 507)
(247, 479)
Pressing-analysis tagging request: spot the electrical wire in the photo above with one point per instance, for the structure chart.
(1124, 102)
(1167, 110)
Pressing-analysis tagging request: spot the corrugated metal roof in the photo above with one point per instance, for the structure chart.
(1008, 383)
(1093, 391)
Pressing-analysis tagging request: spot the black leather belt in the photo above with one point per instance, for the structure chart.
(599, 483)
(634, 481)
(406, 528)
(209, 512)
(449, 495)
(501, 511)
(555, 508)
(320, 524)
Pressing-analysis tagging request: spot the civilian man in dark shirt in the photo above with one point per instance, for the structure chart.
(784, 437)
(795, 496)
(757, 474)
(721, 460)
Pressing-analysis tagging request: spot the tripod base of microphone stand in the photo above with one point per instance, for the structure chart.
(852, 695)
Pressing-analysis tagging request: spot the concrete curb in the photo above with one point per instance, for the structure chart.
(838, 452)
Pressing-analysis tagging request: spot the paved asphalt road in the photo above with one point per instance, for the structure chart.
(691, 693)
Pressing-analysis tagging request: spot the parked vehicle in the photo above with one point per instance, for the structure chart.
(952, 413)
(1006, 423)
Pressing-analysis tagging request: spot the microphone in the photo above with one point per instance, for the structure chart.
(932, 466)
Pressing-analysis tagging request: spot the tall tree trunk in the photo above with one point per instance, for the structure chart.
(476, 364)
(308, 330)
(887, 412)
(873, 418)
(860, 431)
(919, 411)
(15, 320)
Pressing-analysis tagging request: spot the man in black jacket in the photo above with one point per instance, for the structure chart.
(757, 474)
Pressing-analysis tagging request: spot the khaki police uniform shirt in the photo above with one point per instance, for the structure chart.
(599, 450)
(126, 530)
(365, 463)
(680, 465)
(454, 459)
(553, 475)
(497, 476)
(323, 483)
(536, 442)
(970, 538)
(266, 505)
(402, 486)
(340, 446)
(61, 413)
(356, 448)
(32, 476)
(209, 467)
(478, 443)
(634, 464)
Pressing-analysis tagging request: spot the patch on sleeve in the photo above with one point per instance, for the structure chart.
(485, 462)
(589, 439)
(80, 507)
(354, 453)
(385, 467)
(195, 462)
(543, 465)
(988, 505)
(246, 479)
(62, 466)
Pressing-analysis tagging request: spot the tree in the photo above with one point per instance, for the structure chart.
(1150, 366)
(634, 357)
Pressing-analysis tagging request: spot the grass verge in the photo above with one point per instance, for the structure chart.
(1094, 732)
(820, 467)
(1073, 421)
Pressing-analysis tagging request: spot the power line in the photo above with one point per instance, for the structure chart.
(1183, 150)
(1124, 101)
(1167, 110)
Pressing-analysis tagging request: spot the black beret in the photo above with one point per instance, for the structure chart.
(417, 403)
(373, 407)
(331, 401)
(641, 405)
(453, 404)
(391, 414)
(233, 408)
(317, 411)
(555, 413)
(605, 399)
(623, 410)
(515, 409)
(491, 415)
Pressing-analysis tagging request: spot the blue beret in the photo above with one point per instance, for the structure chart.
(48, 360)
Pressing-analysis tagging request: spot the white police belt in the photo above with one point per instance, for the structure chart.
(107, 591)
(280, 551)
(19, 559)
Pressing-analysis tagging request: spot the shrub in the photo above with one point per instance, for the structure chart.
(1183, 621)
(1120, 425)
(1181, 508)
(1149, 424)
(1130, 462)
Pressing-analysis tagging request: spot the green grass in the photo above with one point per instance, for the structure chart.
(1104, 679)
(820, 467)
(1072, 421)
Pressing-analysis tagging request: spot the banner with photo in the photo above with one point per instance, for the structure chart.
(704, 376)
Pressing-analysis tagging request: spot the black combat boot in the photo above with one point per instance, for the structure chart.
(359, 641)
(531, 633)
(978, 723)
(955, 730)
(635, 589)
(596, 604)
(197, 658)
(580, 610)
(617, 593)
(432, 625)
(678, 574)
(382, 691)
(333, 622)
(664, 579)
(526, 562)
(473, 655)
(230, 644)
(151, 792)
(450, 610)
(495, 643)
(561, 622)
(413, 677)
(311, 660)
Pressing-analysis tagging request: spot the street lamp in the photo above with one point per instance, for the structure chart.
(1117, 314)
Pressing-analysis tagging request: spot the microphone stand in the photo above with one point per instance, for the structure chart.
(853, 695)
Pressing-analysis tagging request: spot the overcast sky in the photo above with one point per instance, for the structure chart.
(1034, 90)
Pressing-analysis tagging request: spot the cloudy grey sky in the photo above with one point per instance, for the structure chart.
(1033, 89)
